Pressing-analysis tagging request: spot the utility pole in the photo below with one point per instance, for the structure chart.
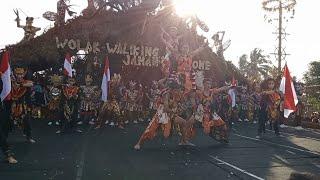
(282, 7)
(280, 38)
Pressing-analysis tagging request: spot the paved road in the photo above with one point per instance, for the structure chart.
(108, 154)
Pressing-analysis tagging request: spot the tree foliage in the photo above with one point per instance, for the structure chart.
(124, 5)
(111, 26)
(258, 65)
(312, 76)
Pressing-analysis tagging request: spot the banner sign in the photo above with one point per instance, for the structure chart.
(131, 55)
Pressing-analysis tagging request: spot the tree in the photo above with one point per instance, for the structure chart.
(243, 63)
(259, 65)
(312, 89)
(312, 76)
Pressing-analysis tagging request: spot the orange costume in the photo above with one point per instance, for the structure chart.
(210, 120)
(19, 106)
(20, 109)
(160, 120)
(185, 68)
(273, 106)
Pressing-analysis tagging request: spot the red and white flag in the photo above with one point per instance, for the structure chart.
(105, 80)
(67, 65)
(5, 72)
(234, 82)
(290, 96)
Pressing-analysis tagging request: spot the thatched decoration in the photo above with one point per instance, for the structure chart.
(110, 26)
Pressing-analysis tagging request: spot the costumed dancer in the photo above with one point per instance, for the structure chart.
(270, 108)
(256, 101)
(115, 106)
(212, 123)
(152, 97)
(167, 113)
(131, 102)
(89, 101)
(186, 117)
(243, 114)
(38, 99)
(184, 64)
(122, 99)
(171, 41)
(114, 112)
(21, 102)
(110, 110)
(160, 119)
(54, 105)
(70, 102)
(140, 103)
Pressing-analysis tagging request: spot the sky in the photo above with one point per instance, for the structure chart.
(243, 22)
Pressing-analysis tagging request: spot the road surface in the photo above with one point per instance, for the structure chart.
(108, 154)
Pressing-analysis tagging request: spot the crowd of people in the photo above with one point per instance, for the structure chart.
(166, 104)
(173, 103)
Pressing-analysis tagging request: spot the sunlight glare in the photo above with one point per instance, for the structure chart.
(186, 7)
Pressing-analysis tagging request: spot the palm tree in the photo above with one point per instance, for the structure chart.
(243, 64)
(259, 65)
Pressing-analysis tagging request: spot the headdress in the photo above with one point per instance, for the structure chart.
(19, 70)
(116, 78)
(88, 78)
(29, 18)
(56, 79)
(164, 91)
(132, 83)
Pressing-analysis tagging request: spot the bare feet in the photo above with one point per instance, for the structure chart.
(30, 140)
(187, 143)
(12, 160)
(98, 127)
(137, 147)
(182, 143)
(190, 144)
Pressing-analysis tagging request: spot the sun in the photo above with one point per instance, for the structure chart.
(186, 7)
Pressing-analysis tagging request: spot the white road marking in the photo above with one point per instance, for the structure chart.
(80, 166)
(316, 165)
(291, 152)
(298, 136)
(306, 129)
(236, 168)
(281, 159)
(290, 134)
(297, 149)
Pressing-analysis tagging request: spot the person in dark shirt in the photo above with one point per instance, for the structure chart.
(5, 111)
(270, 107)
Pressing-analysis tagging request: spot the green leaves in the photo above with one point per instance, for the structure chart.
(312, 76)
(257, 67)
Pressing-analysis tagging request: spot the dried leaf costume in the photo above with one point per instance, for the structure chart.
(273, 107)
(89, 100)
(131, 97)
(55, 93)
(212, 123)
(21, 102)
(70, 104)
(112, 109)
